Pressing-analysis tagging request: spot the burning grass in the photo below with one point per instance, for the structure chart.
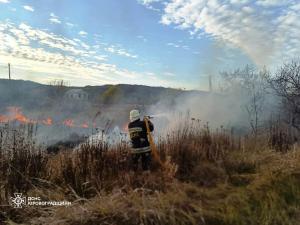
(220, 179)
(16, 114)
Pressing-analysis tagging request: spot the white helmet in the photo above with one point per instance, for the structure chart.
(134, 115)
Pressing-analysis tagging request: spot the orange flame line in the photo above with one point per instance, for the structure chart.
(15, 114)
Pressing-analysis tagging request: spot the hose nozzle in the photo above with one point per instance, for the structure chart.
(148, 117)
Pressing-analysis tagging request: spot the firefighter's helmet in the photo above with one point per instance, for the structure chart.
(134, 115)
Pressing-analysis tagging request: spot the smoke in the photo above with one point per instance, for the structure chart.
(236, 107)
(54, 111)
(58, 118)
(214, 109)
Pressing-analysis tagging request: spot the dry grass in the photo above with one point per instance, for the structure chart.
(220, 179)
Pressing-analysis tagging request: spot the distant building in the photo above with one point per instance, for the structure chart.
(76, 94)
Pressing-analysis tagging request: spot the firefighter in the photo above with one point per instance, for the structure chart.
(139, 140)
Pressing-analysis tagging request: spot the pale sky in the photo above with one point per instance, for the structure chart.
(171, 43)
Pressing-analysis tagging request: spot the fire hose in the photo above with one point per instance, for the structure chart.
(153, 148)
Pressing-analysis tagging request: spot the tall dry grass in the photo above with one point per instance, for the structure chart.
(220, 179)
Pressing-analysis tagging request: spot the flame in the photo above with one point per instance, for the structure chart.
(47, 121)
(3, 119)
(125, 127)
(69, 123)
(16, 114)
(85, 125)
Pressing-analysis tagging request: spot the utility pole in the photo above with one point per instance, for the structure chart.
(210, 83)
(9, 71)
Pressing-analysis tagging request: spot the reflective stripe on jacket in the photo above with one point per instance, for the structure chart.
(140, 150)
(138, 134)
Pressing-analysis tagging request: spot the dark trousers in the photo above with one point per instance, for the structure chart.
(146, 160)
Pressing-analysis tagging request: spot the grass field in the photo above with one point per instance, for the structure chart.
(209, 177)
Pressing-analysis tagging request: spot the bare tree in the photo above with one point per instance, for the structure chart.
(57, 88)
(286, 84)
(250, 83)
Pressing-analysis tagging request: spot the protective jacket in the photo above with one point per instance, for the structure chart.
(138, 135)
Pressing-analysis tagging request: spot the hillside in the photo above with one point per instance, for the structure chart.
(32, 95)
(77, 109)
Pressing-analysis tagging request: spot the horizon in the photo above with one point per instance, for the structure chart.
(99, 85)
(164, 43)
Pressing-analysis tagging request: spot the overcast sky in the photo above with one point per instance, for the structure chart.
(172, 43)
